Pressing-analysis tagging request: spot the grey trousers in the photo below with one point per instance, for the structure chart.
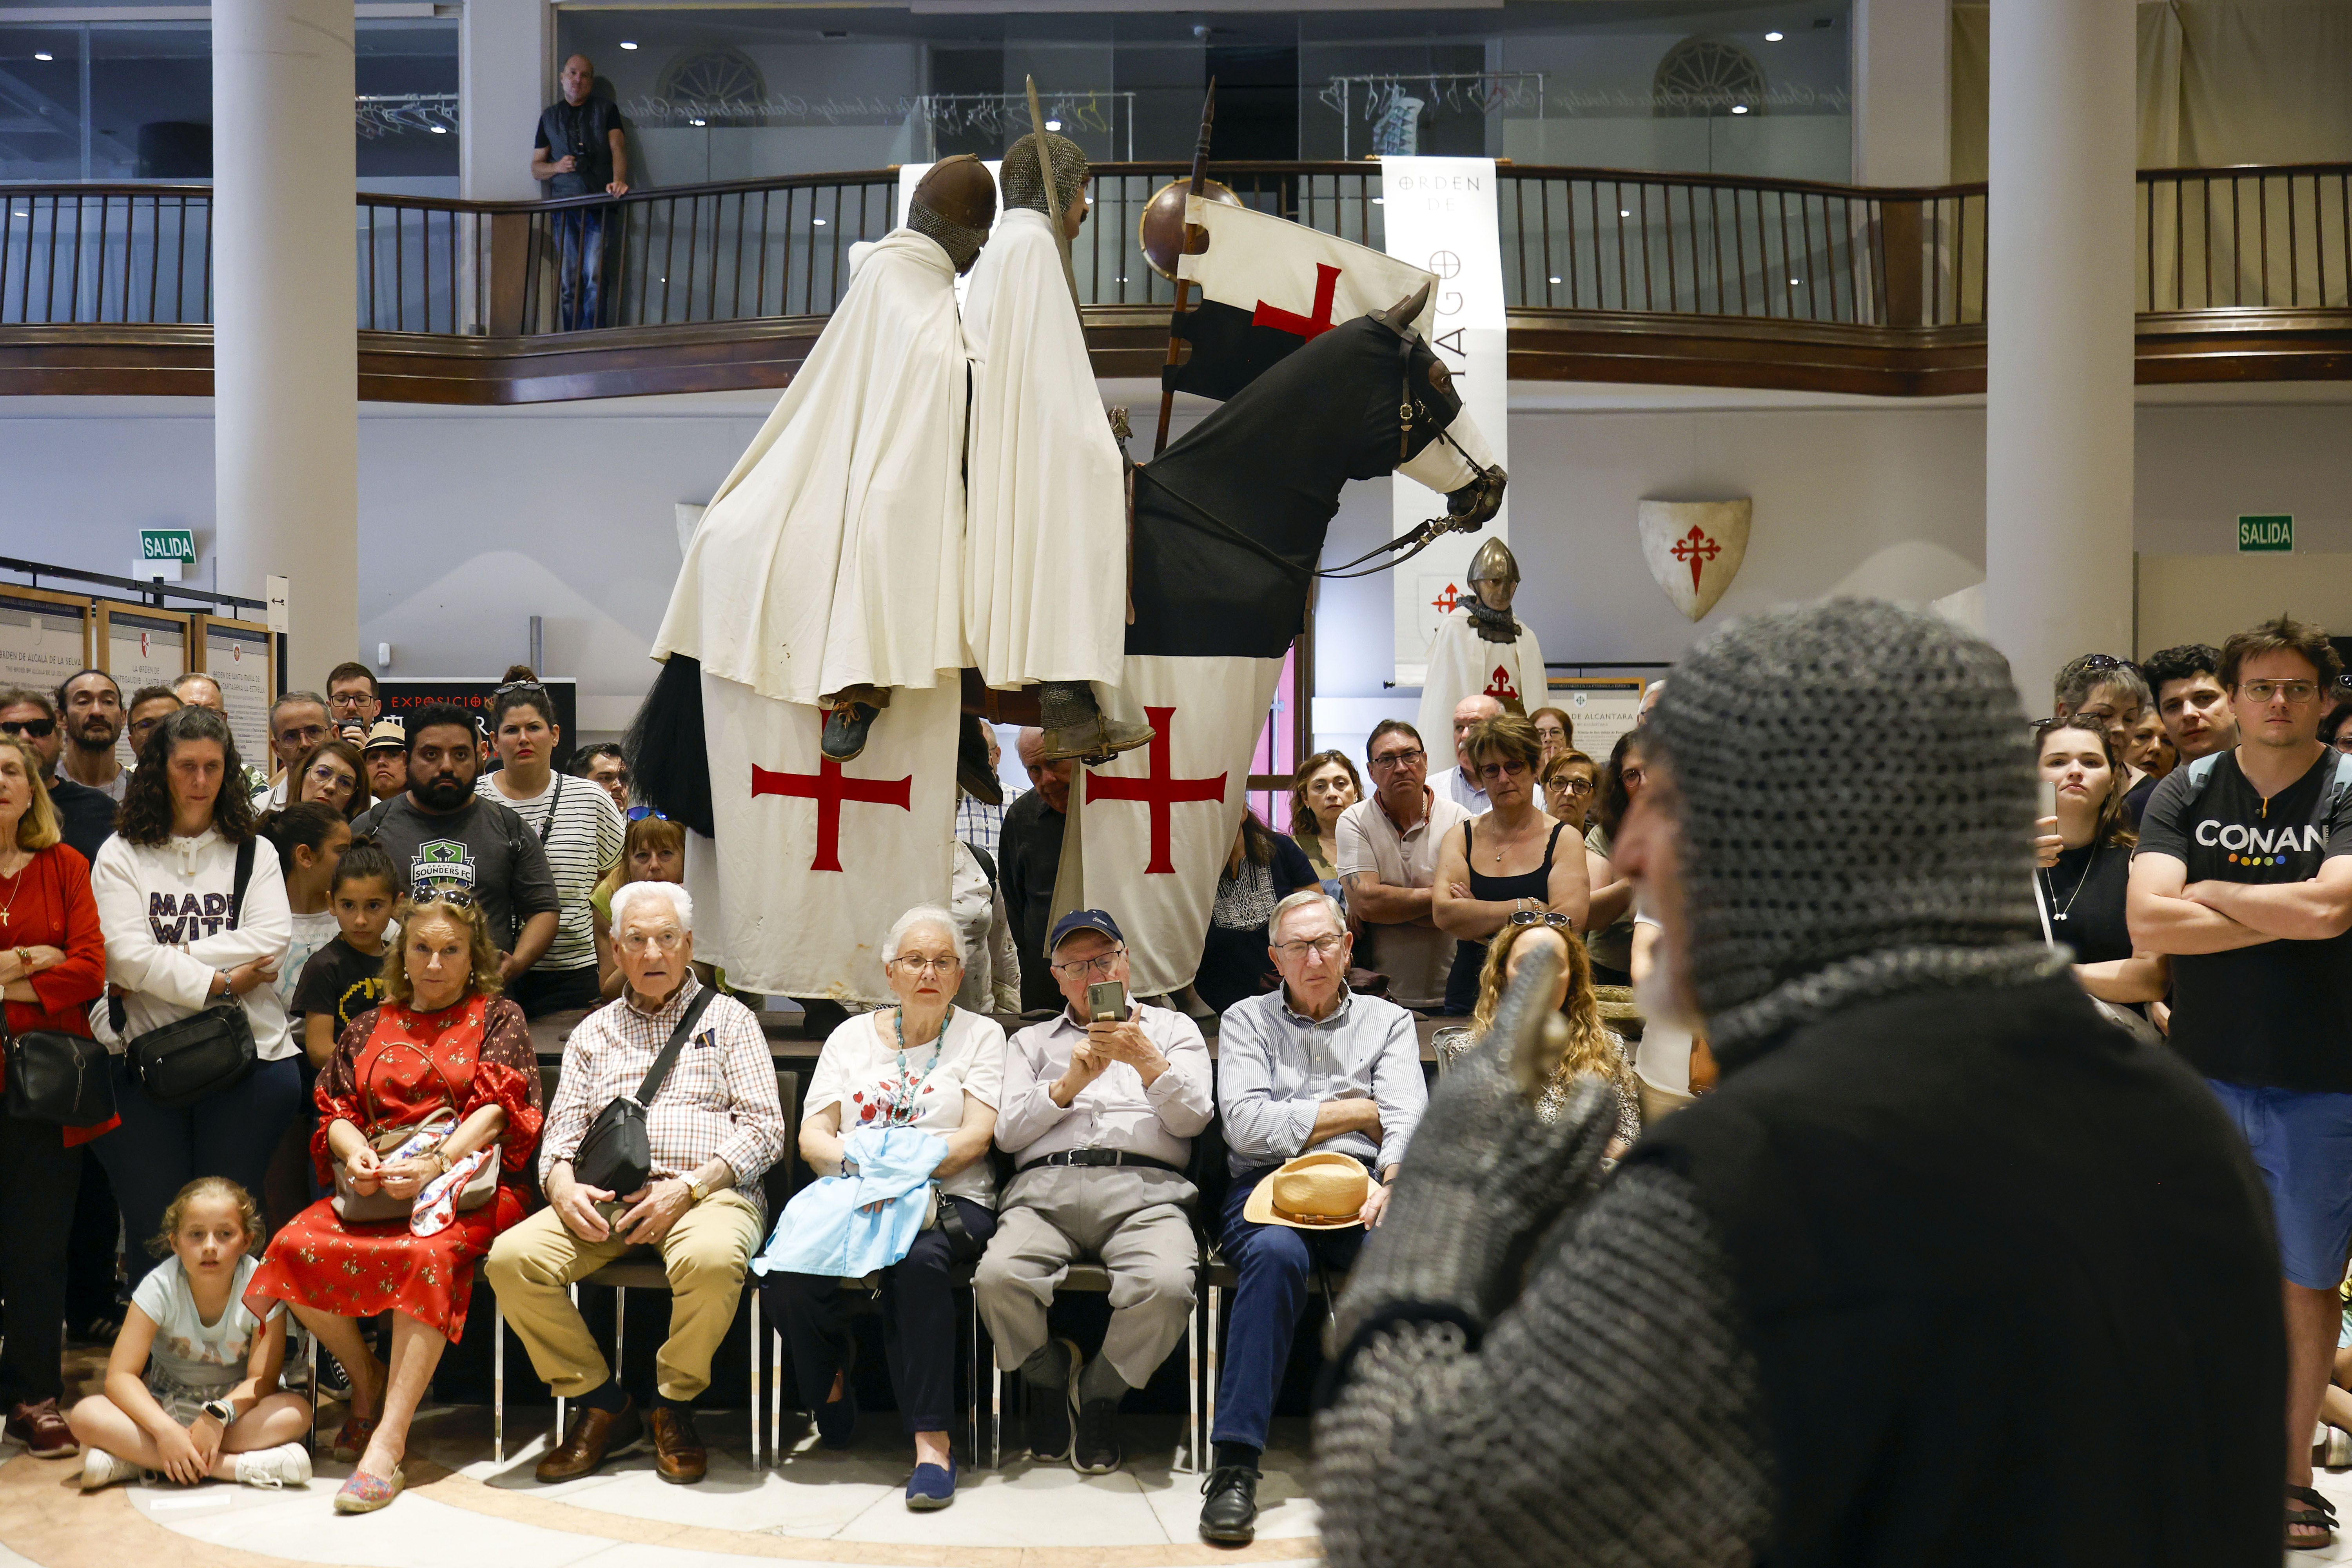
(1134, 1220)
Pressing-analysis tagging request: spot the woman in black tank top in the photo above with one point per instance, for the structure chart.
(1477, 887)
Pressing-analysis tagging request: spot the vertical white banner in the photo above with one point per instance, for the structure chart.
(1440, 215)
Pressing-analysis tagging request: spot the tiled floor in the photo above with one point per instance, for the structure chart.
(464, 1512)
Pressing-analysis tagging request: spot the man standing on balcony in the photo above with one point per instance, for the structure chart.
(582, 151)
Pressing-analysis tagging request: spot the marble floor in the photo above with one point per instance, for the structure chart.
(461, 1510)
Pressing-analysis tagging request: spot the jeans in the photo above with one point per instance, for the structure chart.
(919, 1326)
(38, 1175)
(580, 244)
(1275, 1262)
(158, 1150)
(539, 991)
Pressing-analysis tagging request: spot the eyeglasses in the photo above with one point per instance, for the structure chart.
(1508, 768)
(2342, 742)
(644, 942)
(1552, 917)
(1100, 968)
(943, 967)
(38, 729)
(2295, 691)
(1577, 785)
(350, 701)
(328, 774)
(1320, 946)
(1391, 760)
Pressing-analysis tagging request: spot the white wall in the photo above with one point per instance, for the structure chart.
(475, 520)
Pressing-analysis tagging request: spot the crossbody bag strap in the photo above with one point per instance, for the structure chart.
(678, 1037)
(243, 875)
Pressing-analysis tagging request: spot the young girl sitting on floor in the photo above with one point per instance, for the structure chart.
(185, 1387)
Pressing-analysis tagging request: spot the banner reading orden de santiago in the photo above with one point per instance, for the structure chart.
(1440, 215)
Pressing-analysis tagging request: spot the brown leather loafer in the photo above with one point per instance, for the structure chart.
(595, 1436)
(677, 1448)
(42, 1430)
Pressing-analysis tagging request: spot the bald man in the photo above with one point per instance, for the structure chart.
(1459, 783)
(581, 151)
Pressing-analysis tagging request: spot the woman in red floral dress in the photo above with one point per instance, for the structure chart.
(443, 1040)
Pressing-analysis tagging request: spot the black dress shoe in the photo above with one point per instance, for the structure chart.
(1230, 1515)
(844, 731)
(1046, 1423)
(1096, 1452)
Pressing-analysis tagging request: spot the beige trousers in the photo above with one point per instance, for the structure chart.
(532, 1267)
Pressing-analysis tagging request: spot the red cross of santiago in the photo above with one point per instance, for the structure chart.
(1156, 789)
(1447, 600)
(1326, 287)
(829, 786)
(1698, 549)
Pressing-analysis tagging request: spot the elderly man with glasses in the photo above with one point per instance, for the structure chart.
(714, 1126)
(1308, 1066)
(1100, 1106)
(1386, 852)
(298, 726)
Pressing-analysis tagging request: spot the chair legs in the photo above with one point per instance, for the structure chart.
(1209, 1383)
(1192, 1391)
(754, 1400)
(497, 1382)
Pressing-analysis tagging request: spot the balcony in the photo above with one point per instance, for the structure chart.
(1611, 276)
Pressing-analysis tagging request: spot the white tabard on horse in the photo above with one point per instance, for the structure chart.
(815, 859)
(1464, 664)
(833, 554)
(1045, 547)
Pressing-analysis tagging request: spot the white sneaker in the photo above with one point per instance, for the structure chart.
(101, 1468)
(287, 1465)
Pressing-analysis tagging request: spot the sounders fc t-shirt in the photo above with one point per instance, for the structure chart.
(2279, 1014)
(481, 848)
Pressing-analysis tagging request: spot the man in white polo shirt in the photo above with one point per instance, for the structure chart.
(1386, 859)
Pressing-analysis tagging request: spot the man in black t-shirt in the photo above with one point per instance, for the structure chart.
(2244, 876)
(581, 151)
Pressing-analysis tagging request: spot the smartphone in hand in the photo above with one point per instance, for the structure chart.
(1106, 1001)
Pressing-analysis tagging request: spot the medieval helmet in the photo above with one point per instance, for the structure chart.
(1494, 563)
(1023, 188)
(954, 204)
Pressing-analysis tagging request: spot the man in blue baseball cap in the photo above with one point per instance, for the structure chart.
(1100, 1108)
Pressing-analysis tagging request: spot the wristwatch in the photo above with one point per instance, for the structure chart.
(221, 1410)
(694, 1191)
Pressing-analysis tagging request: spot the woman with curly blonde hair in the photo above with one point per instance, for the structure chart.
(1594, 1049)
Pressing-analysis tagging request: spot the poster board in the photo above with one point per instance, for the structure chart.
(1600, 708)
(402, 698)
(44, 638)
(141, 646)
(242, 657)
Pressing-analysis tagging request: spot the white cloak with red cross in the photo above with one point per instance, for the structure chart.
(1464, 664)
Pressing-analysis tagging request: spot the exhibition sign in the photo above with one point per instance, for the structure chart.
(139, 647)
(44, 638)
(1601, 709)
(1440, 215)
(475, 694)
(239, 656)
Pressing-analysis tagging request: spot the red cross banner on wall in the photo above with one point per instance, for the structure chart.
(1160, 792)
(829, 786)
(1694, 549)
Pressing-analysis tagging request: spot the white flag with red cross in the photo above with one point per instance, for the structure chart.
(1156, 823)
(817, 857)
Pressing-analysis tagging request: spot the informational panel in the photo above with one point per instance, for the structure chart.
(140, 648)
(403, 698)
(1600, 709)
(44, 638)
(239, 655)
(1439, 213)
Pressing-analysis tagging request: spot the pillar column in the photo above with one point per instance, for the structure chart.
(285, 327)
(504, 79)
(2059, 326)
(1902, 92)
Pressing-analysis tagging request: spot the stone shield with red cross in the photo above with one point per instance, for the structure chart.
(1694, 548)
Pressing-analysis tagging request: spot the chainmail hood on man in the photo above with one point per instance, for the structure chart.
(1909, 860)
(1021, 186)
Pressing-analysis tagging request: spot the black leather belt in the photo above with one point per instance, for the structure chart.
(1090, 1158)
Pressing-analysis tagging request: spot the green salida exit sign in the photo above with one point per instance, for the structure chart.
(168, 544)
(2269, 531)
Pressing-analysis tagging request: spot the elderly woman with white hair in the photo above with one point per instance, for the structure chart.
(714, 1126)
(928, 1065)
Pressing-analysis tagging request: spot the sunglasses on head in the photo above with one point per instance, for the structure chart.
(639, 812)
(38, 729)
(430, 893)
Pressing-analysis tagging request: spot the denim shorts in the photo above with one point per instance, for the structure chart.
(2303, 1143)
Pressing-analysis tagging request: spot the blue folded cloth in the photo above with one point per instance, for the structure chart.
(845, 1226)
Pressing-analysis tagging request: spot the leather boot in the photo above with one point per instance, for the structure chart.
(678, 1455)
(1077, 727)
(595, 1436)
(973, 775)
(852, 714)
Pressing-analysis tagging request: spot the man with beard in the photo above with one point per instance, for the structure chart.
(85, 817)
(91, 706)
(439, 832)
(1926, 1274)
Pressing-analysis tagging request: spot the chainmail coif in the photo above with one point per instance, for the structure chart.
(1019, 181)
(961, 241)
(1857, 806)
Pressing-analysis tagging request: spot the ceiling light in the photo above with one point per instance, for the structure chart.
(45, 55)
(21, 215)
(1625, 212)
(440, 131)
(1738, 109)
(820, 223)
(627, 44)
(1793, 282)
(1379, 201)
(1552, 280)
(1769, 37)
(1052, 125)
(698, 122)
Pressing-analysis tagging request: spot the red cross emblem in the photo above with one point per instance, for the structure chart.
(1156, 789)
(1698, 549)
(1501, 688)
(1445, 601)
(829, 786)
(1327, 286)
(144, 651)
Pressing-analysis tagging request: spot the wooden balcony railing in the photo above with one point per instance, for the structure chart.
(1610, 275)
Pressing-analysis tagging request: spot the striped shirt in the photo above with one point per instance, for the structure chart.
(719, 1097)
(582, 843)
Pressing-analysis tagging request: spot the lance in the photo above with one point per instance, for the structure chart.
(1184, 284)
(1053, 200)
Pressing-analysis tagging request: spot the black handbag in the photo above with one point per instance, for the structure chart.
(209, 1050)
(57, 1077)
(616, 1152)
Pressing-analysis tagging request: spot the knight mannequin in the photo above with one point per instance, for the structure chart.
(1483, 648)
